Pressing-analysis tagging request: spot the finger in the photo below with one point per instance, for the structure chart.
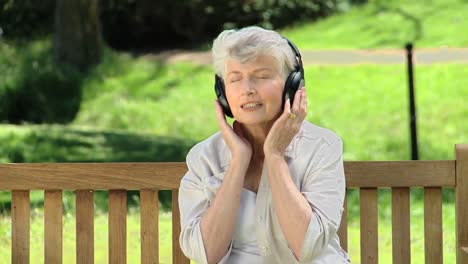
(287, 107)
(286, 110)
(297, 101)
(304, 101)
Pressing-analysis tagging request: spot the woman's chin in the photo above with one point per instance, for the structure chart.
(253, 120)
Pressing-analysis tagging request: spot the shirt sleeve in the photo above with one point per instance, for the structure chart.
(193, 202)
(324, 188)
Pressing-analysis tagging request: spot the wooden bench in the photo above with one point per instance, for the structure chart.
(84, 178)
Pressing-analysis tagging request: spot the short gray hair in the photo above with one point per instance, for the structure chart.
(247, 44)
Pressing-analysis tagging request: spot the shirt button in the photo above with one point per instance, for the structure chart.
(259, 218)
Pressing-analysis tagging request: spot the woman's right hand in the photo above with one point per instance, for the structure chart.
(233, 136)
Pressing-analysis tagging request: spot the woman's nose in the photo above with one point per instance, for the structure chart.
(248, 87)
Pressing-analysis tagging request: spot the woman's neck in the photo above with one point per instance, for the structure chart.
(256, 135)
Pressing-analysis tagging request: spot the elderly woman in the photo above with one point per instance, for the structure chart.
(270, 188)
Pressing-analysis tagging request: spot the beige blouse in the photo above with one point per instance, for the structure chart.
(315, 161)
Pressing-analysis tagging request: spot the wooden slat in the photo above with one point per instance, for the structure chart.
(178, 256)
(84, 227)
(167, 175)
(53, 226)
(433, 225)
(369, 225)
(20, 214)
(401, 244)
(343, 231)
(461, 198)
(91, 176)
(400, 173)
(149, 226)
(117, 226)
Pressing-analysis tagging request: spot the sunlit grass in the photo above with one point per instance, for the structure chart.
(387, 24)
(366, 105)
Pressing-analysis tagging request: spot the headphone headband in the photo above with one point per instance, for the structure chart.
(297, 53)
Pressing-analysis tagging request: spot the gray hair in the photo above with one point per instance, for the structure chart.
(247, 44)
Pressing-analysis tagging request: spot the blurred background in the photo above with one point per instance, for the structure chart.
(131, 81)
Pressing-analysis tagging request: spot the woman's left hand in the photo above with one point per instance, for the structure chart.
(287, 125)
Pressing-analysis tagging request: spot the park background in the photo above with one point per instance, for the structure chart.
(126, 81)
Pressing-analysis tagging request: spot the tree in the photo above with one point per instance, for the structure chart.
(78, 39)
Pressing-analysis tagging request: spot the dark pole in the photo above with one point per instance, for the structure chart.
(414, 135)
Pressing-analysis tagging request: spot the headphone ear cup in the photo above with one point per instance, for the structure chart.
(220, 94)
(292, 84)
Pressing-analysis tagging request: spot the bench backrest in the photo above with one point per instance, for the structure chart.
(85, 178)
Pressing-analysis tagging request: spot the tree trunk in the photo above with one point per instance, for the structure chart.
(77, 40)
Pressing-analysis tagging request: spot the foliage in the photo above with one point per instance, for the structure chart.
(145, 22)
(26, 18)
(160, 24)
(34, 89)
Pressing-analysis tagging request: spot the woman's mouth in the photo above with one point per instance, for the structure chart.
(252, 106)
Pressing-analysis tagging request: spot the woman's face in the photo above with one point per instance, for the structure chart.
(254, 90)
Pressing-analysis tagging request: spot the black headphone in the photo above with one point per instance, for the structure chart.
(294, 81)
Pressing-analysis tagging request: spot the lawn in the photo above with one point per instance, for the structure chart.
(366, 105)
(100, 238)
(387, 24)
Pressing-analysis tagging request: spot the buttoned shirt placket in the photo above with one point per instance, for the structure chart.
(263, 194)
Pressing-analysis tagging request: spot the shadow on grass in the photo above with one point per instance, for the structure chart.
(65, 144)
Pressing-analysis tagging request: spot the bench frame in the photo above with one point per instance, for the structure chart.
(85, 178)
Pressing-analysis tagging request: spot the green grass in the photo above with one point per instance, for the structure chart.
(165, 235)
(135, 109)
(100, 238)
(366, 105)
(416, 229)
(57, 143)
(387, 24)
